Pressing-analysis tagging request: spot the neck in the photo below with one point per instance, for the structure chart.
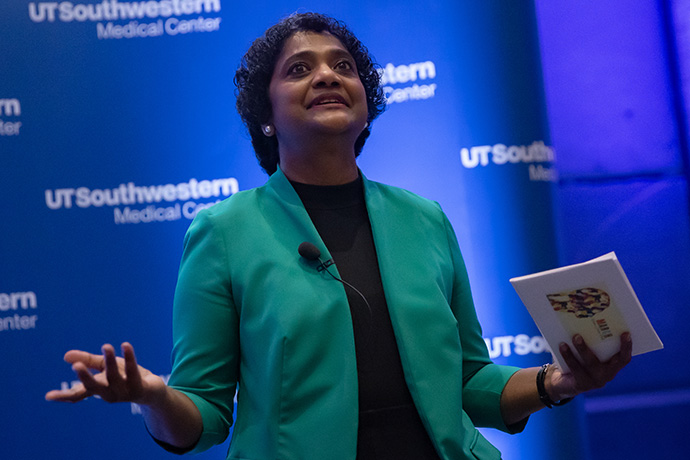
(319, 163)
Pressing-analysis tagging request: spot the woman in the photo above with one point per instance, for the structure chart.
(390, 363)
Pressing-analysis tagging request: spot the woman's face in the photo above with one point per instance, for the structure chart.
(315, 90)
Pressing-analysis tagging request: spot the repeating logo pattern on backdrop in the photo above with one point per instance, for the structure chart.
(113, 201)
(396, 80)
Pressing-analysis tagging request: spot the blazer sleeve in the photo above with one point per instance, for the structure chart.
(206, 348)
(483, 381)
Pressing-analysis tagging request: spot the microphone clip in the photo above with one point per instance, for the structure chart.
(324, 265)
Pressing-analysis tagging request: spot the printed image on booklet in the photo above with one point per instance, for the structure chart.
(593, 299)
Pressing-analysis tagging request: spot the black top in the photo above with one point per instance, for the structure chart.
(389, 425)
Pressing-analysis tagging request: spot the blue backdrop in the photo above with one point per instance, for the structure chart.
(117, 124)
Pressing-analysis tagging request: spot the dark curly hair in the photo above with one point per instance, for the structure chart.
(254, 74)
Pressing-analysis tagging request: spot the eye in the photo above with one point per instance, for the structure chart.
(298, 68)
(344, 65)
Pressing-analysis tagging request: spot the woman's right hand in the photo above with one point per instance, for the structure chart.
(117, 380)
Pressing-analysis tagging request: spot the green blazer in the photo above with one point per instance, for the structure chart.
(250, 313)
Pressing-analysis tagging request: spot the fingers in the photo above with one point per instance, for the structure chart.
(589, 359)
(580, 379)
(116, 387)
(569, 357)
(88, 380)
(132, 370)
(623, 357)
(74, 394)
(589, 372)
(118, 379)
(90, 360)
(112, 372)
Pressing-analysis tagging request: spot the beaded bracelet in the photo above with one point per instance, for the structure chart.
(543, 396)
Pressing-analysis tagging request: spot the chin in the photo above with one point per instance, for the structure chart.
(338, 126)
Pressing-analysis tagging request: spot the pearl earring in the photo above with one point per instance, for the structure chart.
(268, 130)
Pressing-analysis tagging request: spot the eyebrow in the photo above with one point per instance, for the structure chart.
(307, 54)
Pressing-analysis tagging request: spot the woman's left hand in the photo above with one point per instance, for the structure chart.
(588, 374)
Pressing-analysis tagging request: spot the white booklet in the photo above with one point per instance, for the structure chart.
(593, 299)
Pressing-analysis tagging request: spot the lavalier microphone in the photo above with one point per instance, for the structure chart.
(310, 252)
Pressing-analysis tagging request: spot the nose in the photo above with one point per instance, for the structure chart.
(325, 76)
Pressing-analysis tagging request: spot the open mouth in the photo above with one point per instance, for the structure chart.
(327, 100)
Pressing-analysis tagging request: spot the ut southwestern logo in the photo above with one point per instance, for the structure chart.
(151, 196)
(147, 18)
(404, 74)
(501, 154)
(10, 108)
(13, 305)
(520, 344)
